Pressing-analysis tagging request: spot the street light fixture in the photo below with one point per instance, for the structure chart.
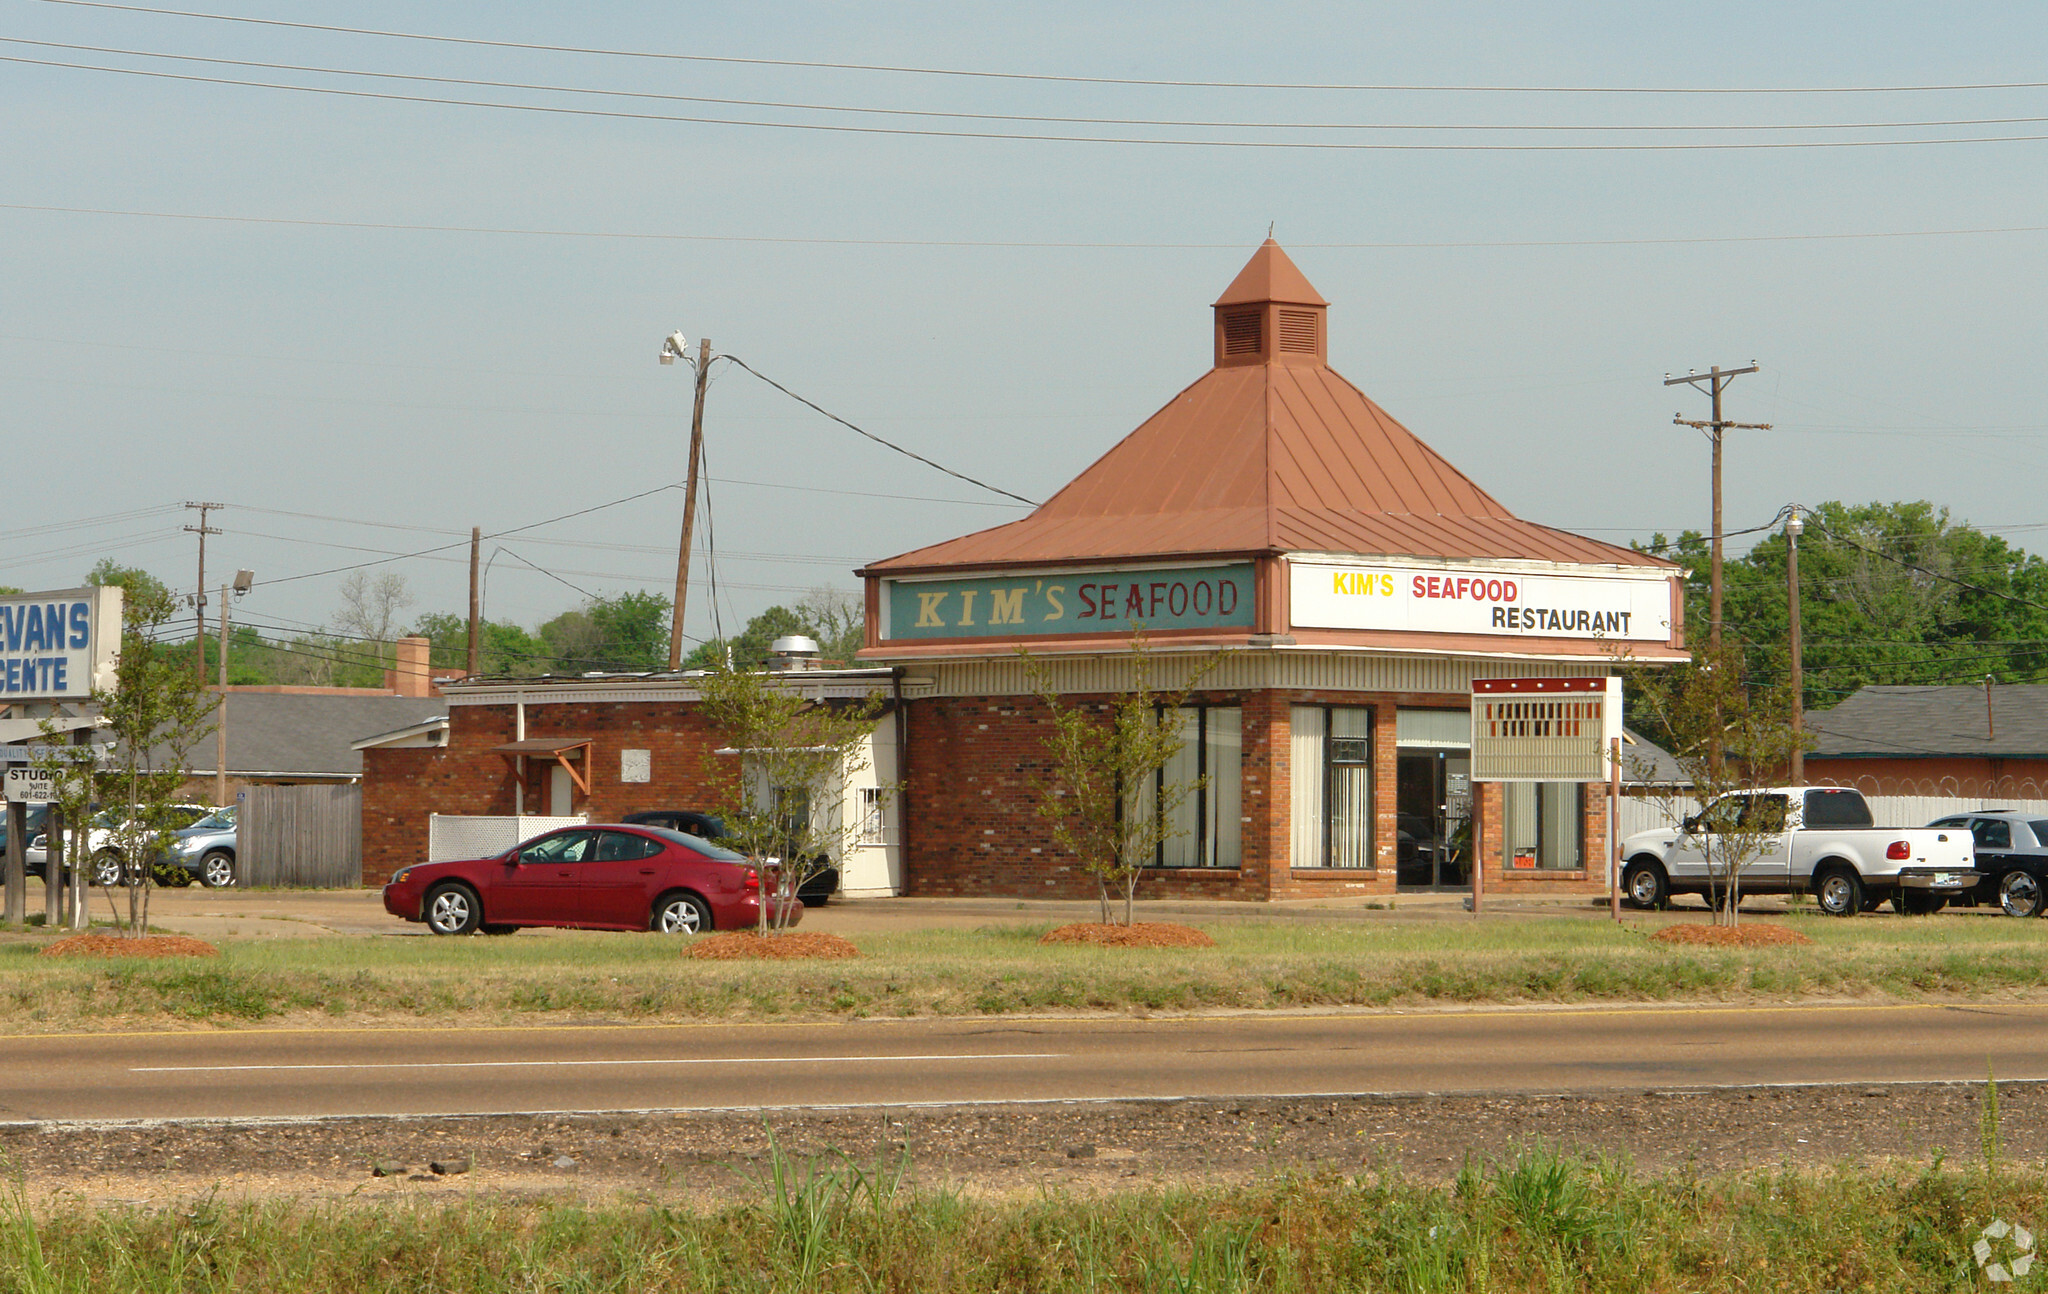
(244, 581)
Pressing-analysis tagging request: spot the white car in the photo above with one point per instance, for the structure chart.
(99, 846)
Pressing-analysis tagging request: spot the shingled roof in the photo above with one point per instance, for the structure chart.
(1269, 452)
(1959, 719)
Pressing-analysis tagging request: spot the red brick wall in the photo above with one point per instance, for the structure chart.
(1967, 777)
(401, 787)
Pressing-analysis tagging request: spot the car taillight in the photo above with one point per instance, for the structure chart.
(753, 881)
(1898, 849)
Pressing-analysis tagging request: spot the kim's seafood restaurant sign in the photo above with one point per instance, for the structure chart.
(1070, 603)
(1467, 600)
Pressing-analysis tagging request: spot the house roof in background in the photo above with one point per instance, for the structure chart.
(273, 734)
(1910, 722)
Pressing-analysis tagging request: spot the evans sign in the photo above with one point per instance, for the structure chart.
(58, 646)
(1070, 602)
(1462, 600)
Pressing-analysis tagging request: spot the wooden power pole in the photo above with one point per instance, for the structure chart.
(675, 630)
(1717, 379)
(199, 598)
(476, 543)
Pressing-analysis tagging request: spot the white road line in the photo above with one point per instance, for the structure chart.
(564, 1064)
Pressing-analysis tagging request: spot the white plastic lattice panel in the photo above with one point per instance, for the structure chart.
(1544, 729)
(457, 836)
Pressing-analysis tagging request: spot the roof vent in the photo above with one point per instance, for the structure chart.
(1298, 331)
(1242, 333)
(795, 652)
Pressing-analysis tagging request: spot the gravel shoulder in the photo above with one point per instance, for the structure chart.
(718, 1157)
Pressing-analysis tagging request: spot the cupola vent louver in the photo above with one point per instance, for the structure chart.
(1243, 333)
(1298, 331)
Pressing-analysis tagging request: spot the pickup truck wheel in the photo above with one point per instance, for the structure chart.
(1839, 892)
(1645, 885)
(1916, 903)
(2019, 893)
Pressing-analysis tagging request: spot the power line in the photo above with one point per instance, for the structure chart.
(908, 70)
(1006, 244)
(907, 453)
(1020, 136)
(1034, 118)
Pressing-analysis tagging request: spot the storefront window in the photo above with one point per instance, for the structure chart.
(1330, 766)
(1542, 826)
(1205, 829)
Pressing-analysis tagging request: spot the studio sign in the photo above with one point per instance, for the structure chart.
(1465, 601)
(1070, 602)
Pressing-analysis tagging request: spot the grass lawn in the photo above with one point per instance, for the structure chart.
(1003, 970)
(1540, 1222)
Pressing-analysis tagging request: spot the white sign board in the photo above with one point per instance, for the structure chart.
(29, 786)
(1471, 600)
(58, 646)
(636, 765)
(1544, 729)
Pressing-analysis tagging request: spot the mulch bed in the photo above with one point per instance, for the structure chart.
(1745, 936)
(1142, 934)
(741, 945)
(95, 945)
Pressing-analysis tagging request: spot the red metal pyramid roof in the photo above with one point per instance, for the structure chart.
(1262, 458)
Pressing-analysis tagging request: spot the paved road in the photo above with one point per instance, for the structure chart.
(274, 1073)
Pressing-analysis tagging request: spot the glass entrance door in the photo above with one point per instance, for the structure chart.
(1433, 801)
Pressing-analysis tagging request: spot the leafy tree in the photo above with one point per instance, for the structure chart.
(137, 586)
(1105, 797)
(1890, 593)
(502, 649)
(834, 619)
(1731, 736)
(155, 712)
(624, 634)
(800, 756)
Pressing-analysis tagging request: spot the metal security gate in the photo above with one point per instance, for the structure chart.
(300, 836)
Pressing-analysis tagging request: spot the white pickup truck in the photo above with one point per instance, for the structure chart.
(1817, 839)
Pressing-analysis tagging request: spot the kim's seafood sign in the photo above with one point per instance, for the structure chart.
(1470, 600)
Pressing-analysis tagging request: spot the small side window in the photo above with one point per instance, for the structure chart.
(1991, 833)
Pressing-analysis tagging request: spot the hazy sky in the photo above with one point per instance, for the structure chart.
(354, 392)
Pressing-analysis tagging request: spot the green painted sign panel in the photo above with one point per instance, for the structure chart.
(1072, 602)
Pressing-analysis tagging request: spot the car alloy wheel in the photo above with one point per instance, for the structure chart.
(2019, 893)
(106, 870)
(682, 914)
(452, 910)
(216, 870)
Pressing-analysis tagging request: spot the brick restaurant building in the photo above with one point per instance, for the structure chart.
(1356, 584)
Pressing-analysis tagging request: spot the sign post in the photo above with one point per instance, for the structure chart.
(1549, 730)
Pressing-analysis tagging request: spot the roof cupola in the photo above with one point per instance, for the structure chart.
(1270, 314)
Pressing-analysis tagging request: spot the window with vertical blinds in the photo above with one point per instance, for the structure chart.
(1206, 827)
(1330, 771)
(1542, 826)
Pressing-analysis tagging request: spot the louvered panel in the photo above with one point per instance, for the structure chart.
(1298, 331)
(1238, 672)
(1243, 333)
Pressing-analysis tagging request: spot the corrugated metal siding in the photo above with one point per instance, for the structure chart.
(1238, 672)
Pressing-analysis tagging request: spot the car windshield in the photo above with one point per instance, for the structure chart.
(697, 843)
(218, 820)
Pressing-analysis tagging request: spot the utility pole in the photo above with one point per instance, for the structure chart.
(199, 598)
(476, 543)
(1717, 378)
(1793, 526)
(220, 727)
(675, 631)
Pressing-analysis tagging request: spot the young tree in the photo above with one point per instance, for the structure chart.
(155, 712)
(798, 757)
(1108, 803)
(1732, 737)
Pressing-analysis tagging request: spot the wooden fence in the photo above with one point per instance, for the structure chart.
(305, 836)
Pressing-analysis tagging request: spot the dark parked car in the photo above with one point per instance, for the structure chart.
(2012, 855)
(601, 878)
(816, 888)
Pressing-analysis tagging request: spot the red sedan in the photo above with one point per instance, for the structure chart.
(600, 878)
